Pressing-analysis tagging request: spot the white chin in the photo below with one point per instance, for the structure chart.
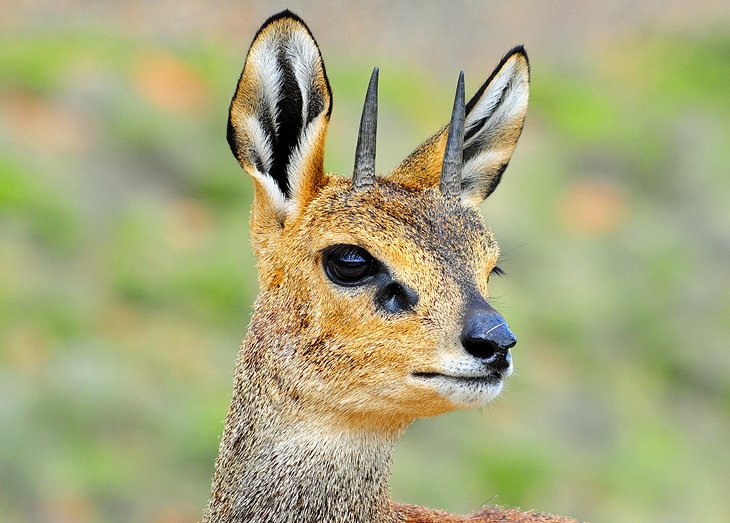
(465, 393)
(469, 394)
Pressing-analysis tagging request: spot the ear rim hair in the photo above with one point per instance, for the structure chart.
(421, 169)
(286, 13)
(474, 190)
(518, 50)
(279, 113)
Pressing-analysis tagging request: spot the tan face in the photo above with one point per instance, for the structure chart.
(373, 340)
(373, 291)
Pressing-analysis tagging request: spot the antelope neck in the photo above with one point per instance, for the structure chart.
(277, 467)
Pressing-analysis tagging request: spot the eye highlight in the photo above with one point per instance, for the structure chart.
(348, 265)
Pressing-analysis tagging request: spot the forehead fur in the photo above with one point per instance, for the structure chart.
(391, 215)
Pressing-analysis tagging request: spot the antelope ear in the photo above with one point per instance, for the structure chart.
(494, 120)
(278, 118)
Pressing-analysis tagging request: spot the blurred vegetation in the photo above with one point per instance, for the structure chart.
(126, 279)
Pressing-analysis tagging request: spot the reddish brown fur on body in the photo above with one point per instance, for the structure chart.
(416, 514)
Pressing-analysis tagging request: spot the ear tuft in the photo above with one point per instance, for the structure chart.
(280, 110)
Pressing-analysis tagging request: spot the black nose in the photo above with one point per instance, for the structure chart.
(486, 335)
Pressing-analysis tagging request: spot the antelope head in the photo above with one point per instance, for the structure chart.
(374, 305)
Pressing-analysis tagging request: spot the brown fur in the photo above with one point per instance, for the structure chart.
(423, 167)
(324, 384)
(415, 514)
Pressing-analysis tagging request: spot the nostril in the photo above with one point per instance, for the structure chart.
(480, 347)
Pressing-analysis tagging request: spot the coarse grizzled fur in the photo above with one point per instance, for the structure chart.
(326, 381)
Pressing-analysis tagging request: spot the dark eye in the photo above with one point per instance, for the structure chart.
(348, 265)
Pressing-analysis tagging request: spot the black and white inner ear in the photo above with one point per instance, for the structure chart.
(280, 110)
(494, 120)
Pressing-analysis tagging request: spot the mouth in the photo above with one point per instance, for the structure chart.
(471, 389)
(464, 388)
(493, 377)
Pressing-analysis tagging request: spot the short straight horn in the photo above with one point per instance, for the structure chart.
(454, 154)
(364, 174)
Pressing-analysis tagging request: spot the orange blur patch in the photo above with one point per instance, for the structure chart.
(592, 207)
(43, 125)
(191, 225)
(26, 349)
(71, 508)
(121, 322)
(168, 83)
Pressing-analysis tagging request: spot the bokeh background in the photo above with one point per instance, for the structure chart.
(126, 276)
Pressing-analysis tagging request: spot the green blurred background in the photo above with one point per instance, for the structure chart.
(126, 276)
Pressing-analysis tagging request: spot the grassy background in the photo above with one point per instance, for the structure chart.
(126, 276)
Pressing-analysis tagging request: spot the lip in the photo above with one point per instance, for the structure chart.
(491, 378)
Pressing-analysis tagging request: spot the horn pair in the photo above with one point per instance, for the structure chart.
(363, 175)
